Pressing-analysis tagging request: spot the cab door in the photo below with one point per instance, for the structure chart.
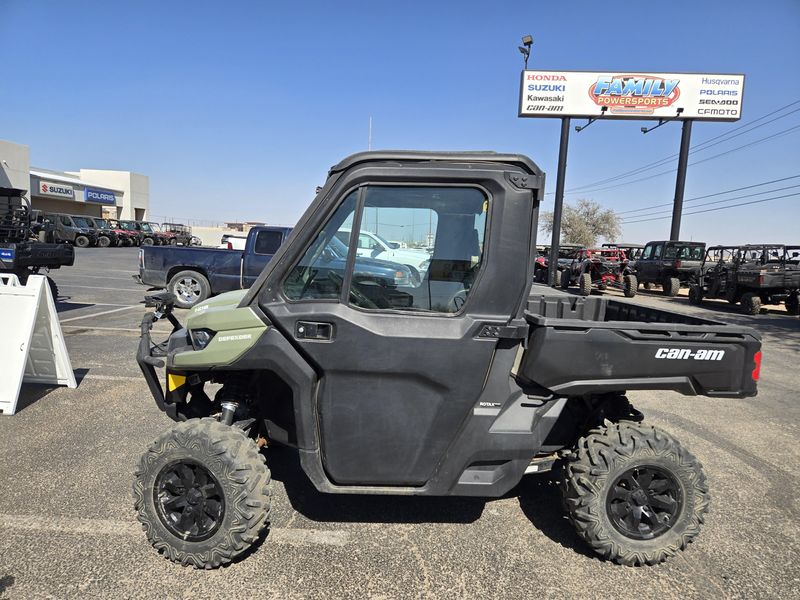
(401, 362)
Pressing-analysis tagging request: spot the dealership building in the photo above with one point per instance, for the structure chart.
(95, 192)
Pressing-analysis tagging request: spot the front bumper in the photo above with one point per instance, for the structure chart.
(150, 356)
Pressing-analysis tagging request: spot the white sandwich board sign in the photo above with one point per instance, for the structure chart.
(32, 347)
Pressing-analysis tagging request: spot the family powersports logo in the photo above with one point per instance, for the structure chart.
(634, 94)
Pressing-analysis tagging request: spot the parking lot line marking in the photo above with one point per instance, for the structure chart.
(113, 377)
(91, 287)
(105, 312)
(68, 273)
(92, 328)
(75, 525)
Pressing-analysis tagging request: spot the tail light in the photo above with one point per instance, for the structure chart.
(230, 246)
(757, 371)
(761, 279)
(678, 264)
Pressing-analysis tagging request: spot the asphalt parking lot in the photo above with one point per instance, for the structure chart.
(67, 528)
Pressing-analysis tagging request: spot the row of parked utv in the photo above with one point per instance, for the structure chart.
(84, 231)
(751, 275)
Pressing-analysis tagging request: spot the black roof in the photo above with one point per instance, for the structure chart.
(518, 160)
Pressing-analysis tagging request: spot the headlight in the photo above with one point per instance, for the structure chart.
(200, 338)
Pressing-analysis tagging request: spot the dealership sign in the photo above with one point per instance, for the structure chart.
(101, 196)
(58, 190)
(626, 95)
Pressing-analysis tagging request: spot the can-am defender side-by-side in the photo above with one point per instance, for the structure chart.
(458, 383)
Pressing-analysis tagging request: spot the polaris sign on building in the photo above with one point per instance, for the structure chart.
(58, 190)
(626, 95)
(97, 195)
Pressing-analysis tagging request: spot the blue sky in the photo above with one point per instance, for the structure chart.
(236, 110)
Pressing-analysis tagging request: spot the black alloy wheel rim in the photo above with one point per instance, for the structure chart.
(644, 502)
(189, 500)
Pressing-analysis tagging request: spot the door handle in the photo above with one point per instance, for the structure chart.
(313, 330)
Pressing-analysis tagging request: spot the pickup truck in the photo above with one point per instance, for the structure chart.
(459, 384)
(194, 274)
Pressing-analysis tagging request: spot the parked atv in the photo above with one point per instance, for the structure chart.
(600, 268)
(126, 237)
(761, 274)
(456, 385)
(566, 254)
(717, 279)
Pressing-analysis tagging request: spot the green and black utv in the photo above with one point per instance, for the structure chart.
(459, 382)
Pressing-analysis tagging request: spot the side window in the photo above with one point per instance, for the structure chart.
(657, 251)
(437, 234)
(647, 254)
(268, 242)
(66, 221)
(320, 272)
(366, 243)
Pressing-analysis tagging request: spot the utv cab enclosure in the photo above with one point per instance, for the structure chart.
(670, 264)
(458, 383)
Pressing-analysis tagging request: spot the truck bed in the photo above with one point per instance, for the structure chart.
(578, 345)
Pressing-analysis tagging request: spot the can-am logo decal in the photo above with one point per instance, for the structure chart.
(634, 94)
(686, 354)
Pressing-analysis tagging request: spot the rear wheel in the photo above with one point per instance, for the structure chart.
(81, 241)
(634, 494)
(630, 285)
(104, 241)
(148, 241)
(751, 304)
(671, 286)
(173, 242)
(585, 284)
(647, 285)
(202, 493)
(695, 295)
(189, 288)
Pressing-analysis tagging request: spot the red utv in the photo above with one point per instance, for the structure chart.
(600, 268)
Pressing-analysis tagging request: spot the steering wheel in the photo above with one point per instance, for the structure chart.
(356, 296)
(459, 299)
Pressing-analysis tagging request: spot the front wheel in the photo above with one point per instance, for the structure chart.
(634, 494)
(81, 241)
(202, 493)
(104, 241)
(148, 241)
(793, 304)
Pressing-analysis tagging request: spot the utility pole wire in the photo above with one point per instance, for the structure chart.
(700, 146)
(746, 187)
(697, 212)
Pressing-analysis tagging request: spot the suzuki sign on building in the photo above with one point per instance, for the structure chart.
(621, 95)
(58, 190)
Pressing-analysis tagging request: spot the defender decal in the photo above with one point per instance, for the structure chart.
(235, 338)
(685, 354)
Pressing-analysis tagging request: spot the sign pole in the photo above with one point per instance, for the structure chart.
(680, 181)
(559, 202)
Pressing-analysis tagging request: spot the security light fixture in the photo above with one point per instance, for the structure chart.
(525, 49)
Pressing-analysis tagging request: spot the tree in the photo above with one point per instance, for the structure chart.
(584, 222)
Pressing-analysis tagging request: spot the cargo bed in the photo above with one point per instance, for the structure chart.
(582, 345)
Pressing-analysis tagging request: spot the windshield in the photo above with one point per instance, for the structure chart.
(153, 227)
(102, 223)
(82, 222)
(146, 227)
(684, 252)
(128, 225)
